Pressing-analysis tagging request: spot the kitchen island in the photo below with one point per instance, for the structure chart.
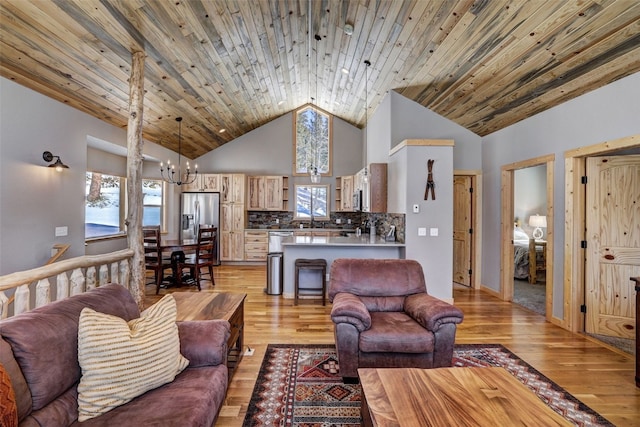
(330, 249)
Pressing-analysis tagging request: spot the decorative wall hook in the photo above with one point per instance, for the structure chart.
(430, 184)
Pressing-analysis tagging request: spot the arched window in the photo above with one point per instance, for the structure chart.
(312, 129)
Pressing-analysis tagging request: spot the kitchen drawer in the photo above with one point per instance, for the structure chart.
(255, 246)
(255, 256)
(256, 236)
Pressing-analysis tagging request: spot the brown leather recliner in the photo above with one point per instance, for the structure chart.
(384, 317)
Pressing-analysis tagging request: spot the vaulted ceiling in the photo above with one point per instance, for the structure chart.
(238, 64)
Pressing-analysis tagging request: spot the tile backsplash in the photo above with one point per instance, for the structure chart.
(347, 221)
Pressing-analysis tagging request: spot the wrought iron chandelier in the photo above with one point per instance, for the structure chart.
(172, 175)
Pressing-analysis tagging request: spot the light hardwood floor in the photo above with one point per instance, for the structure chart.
(601, 377)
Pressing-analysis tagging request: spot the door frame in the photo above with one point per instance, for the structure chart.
(575, 220)
(476, 224)
(506, 227)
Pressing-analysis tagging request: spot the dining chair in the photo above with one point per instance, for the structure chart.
(205, 256)
(153, 259)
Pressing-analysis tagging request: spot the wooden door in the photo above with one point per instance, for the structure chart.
(613, 244)
(462, 229)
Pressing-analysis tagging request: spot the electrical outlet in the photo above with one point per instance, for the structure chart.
(249, 351)
(277, 220)
(416, 208)
(433, 232)
(338, 221)
(349, 221)
(422, 231)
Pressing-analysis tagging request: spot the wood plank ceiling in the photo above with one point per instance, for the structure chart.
(236, 65)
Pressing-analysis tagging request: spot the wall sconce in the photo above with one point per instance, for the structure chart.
(538, 221)
(48, 157)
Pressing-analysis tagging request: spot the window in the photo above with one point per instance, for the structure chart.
(105, 201)
(312, 142)
(151, 202)
(105, 207)
(312, 202)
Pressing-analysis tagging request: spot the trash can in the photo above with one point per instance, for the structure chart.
(274, 273)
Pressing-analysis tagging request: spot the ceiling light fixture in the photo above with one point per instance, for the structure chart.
(348, 29)
(314, 172)
(365, 176)
(173, 176)
(48, 157)
(345, 71)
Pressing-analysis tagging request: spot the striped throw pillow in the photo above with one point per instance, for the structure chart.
(121, 360)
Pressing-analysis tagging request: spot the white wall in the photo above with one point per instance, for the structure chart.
(34, 199)
(604, 114)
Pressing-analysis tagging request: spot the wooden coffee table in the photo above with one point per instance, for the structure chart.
(450, 397)
(213, 305)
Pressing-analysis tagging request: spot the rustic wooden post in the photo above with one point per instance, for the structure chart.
(134, 177)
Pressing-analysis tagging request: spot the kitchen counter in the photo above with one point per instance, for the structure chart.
(330, 249)
(362, 241)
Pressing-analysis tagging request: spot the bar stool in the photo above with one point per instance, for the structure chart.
(311, 264)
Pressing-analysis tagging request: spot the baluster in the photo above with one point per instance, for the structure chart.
(91, 278)
(103, 273)
(4, 306)
(114, 272)
(124, 274)
(77, 282)
(43, 292)
(62, 286)
(21, 302)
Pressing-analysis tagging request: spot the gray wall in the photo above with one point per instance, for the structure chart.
(34, 199)
(530, 195)
(604, 114)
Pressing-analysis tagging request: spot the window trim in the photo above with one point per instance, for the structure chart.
(329, 166)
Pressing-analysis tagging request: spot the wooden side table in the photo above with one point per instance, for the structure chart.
(210, 305)
(534, 265)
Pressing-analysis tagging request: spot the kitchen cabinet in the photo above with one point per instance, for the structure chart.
(267, 193)
(232, 220)
(232, 217)
(204, 182)
(255, 245)
(344, 193)
(374, 190)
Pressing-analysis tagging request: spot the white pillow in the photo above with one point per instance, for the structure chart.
(121, 360)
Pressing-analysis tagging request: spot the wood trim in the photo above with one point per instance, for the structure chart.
(506, 227)
(422, 143)
(605, 147)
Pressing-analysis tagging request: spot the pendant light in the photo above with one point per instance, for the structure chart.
(365, 175)
(175, 177)
(314, 172)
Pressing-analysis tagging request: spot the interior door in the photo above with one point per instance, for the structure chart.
(462, 224)
(613, 244)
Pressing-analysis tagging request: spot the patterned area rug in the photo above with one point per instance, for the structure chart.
(300, 385)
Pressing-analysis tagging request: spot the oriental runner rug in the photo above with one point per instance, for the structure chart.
(300, 385)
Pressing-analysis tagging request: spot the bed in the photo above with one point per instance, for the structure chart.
(520, 253)
(523, 251)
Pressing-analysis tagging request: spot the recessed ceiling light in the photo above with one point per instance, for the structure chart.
(280, 103)
(345, 71)
(223, 130)
(348, 29)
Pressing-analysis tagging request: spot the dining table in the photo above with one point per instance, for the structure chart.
(174, 247)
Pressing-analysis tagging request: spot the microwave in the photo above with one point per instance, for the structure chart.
(357, 200)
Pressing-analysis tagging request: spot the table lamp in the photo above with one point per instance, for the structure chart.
(537, 221)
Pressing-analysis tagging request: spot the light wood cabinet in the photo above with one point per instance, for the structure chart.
(204, 182)
(374, 191)
(267, 193)
(232, 217)
(232, 220)
(256, 245)
(344, 193)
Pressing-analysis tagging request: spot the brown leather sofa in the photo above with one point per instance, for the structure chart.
(39, 351)
(384, 317)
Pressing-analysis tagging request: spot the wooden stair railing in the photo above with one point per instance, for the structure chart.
(73, 276)
(60, 250)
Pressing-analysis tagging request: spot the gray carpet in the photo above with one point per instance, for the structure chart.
(532, 296)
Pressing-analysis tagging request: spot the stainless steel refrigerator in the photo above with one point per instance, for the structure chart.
(199, 209)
